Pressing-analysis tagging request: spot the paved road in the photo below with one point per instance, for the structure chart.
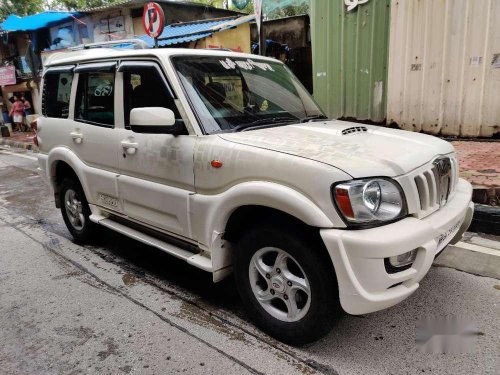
(117, 306)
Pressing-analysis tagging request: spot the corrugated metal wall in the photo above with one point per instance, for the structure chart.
(444, 66)
(350, 52)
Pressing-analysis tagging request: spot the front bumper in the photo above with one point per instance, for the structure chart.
(358, 255)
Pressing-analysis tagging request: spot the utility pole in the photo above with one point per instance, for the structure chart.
(259, 19)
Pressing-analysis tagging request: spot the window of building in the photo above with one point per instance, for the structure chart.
(95, 98)
(56, 94)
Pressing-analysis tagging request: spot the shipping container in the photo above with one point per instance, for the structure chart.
(350, 54)
(444, 67)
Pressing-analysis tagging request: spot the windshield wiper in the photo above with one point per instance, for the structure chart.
(265, 121)
(312, 118)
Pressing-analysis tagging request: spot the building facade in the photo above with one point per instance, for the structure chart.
(25, 42)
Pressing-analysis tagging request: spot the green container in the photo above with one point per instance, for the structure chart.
(350, 56)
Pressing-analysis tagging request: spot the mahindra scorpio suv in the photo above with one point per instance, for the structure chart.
(225, 161)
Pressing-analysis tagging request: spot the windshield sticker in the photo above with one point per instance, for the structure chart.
(245, 64)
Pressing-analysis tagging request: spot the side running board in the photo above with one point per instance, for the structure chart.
(196, 260)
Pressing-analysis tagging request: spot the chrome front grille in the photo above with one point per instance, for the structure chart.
(429, 190)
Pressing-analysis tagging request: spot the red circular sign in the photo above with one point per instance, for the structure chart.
(153, 19)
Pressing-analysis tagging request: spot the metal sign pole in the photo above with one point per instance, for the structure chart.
(262, 37)
(259, 19)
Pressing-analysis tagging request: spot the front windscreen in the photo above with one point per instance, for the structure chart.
(231, 94)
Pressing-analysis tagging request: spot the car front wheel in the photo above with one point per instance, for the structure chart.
(287, 285)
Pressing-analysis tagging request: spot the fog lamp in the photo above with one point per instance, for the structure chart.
(403, 259)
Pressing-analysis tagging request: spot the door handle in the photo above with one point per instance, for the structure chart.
(77, 137)
(130, 147)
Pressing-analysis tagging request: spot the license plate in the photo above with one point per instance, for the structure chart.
(444, 238)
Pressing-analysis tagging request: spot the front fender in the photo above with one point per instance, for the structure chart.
(210, 213)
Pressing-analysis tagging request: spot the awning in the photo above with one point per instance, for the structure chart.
(190, 31)
(36, 21)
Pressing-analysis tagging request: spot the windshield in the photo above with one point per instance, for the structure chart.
(231, 94)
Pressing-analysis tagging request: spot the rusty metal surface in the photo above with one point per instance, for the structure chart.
(444, 67)
(350, 52)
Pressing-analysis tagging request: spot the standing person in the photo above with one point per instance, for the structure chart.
(17, 112)
(27, 106)
(27, 111)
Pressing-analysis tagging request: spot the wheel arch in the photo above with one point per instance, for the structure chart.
(246, 216)
(218, 219)
(63, 163)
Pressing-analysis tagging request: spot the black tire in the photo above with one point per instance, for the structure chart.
(324, 309)
(88, 229)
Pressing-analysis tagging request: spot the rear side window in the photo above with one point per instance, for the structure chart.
(95, 98)
(56, 94)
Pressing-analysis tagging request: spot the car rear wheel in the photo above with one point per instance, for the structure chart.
(75, 210)
(287, 286)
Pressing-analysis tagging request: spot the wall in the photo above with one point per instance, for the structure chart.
(138, 26)
(443, 78)
(237, 39)
(103, 35)
(350, 52)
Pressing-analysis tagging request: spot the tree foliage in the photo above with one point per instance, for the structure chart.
(226, 4)
(272, 9)
(79, 4)
(26, 7)
(287, 11)
(19, 7)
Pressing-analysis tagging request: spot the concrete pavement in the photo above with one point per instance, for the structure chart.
(118, 306)
(480, 165)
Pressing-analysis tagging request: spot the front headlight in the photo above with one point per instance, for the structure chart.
(369, 201)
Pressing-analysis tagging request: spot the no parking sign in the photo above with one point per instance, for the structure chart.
(153, 20)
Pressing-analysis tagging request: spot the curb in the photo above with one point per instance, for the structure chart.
(486, 220)
(489, 196)
(17, 144)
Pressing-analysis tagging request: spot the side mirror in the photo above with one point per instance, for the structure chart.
(153, 120)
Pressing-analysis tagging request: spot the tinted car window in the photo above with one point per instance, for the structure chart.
(56, 94)
(145, 87)
(95, 98)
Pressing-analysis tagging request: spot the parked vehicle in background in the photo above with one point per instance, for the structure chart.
(225, 161)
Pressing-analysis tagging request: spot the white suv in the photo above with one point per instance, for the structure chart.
(225, 161)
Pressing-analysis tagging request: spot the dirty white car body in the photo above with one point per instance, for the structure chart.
(189, 187)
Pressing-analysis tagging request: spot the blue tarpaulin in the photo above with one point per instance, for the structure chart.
(36, 21)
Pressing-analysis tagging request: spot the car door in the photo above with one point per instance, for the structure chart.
(92, 132)
(156, 170)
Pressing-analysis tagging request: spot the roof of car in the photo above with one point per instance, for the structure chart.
(87, 55)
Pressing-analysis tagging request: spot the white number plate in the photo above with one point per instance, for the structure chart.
(446, 237)
(108, 201)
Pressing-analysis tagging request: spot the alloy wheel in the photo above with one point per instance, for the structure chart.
(74, 209)
(279, 284)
